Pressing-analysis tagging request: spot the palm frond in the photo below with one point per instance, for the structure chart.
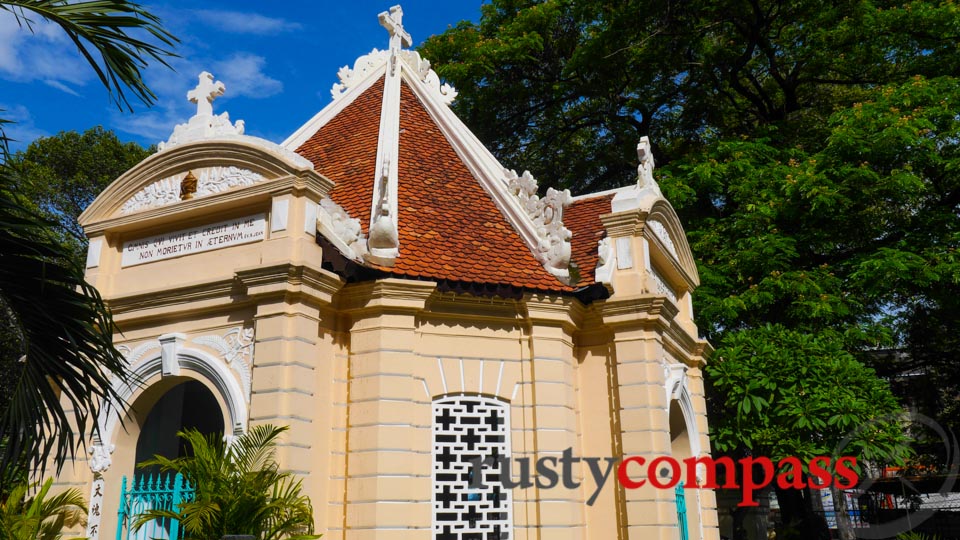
(103, 30)
(239, 489)
(66, 332)
(39, 517)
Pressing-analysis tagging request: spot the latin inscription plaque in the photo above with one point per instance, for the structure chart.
(218, 235)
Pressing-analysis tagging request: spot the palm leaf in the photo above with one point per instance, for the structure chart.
(102, 31)
(39, 517)
(66, 333)
(239, 489)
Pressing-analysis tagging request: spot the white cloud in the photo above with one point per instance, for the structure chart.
(243, 75)
(62, 87)
(245, 23)
(40, 52)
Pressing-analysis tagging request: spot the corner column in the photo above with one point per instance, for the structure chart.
(550, 408)
(388, 460)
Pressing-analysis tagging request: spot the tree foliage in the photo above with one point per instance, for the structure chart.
(799, 394)
(809, 147)
(239, 489)
(586, 79)
(57, 330)
(64, 173)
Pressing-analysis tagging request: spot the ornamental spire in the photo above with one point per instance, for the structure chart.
(384, 239)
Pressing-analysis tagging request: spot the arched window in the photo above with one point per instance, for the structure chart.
(467, 430)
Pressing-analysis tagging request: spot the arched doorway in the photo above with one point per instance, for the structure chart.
(683, 445)
(188, 405)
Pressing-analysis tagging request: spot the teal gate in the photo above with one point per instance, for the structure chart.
(682, 512)
(165, 492)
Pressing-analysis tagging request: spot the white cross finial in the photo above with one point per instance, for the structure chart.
(393, 22)
(204, 94)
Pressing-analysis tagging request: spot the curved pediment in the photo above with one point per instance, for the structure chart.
(664, 225)
(193, 171)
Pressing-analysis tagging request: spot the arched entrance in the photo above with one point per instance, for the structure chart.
(685, 443)
(188, 405)
(176, 387)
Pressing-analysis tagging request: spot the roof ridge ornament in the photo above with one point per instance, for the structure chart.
(384, 239)
(204, 124)
(553, 242)
(646, 165)
(646, 190)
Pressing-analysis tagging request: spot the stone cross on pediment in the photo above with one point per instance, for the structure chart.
(393, 22)
(203, 95)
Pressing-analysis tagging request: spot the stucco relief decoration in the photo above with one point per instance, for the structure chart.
(675, 379)
(236, 349)
(361, 68)
(204, 124)
(660, 230)
(100, 459)
(663, 289)
(218, 179)
(338, 222)
(159, 193)
(421, 66)
(547, 215)
(210, 180)
(135, 354)
(646, 166)
(606, 259)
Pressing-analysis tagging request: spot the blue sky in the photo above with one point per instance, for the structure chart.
(277, 61)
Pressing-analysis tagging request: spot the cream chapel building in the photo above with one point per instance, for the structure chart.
(380, 283)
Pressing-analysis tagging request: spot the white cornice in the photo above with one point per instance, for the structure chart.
(329, 112)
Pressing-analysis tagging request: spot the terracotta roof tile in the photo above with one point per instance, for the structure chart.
(450, 228)
(345, 151)
(583, 219)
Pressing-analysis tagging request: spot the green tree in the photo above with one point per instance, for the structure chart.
(795, 394)
(61, 330)
(39, 517)
(586, 79)
(239, 489)
(64, 173)
(810, 149)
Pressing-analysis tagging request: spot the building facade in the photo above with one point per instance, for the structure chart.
(406, 304)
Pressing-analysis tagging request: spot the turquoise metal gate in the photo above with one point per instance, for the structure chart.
(682, 512)
(165, 492)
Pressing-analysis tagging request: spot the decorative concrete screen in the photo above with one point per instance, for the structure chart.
(466, 429)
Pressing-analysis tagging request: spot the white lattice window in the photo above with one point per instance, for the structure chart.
(467, 429)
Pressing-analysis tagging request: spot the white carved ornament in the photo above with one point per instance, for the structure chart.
(236, 349)
(645, 168)
(210, 180)
(421, 66)
(100, 459)
(675, 379)
(204, 124)
(660, 231)
(553, 248)
(663, 288)
(334, 221)
(363, 66)
(606, 261)
(159, 193)
(134, 355)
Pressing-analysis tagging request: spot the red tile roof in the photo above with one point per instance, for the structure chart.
(450, 228)
(583, 219)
